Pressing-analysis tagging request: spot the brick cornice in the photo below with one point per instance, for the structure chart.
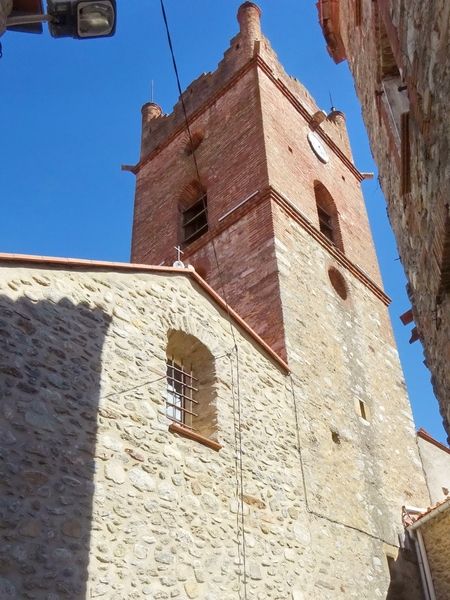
(339, 256)
(259, 62)
(193, 116)
(329, 19)
(428, 438)
(308, 117)
(392, 32)
(270, 194)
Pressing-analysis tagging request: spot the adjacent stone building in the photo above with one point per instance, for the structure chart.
(239, 429)
(430, 532)
(399, 54)
(428, 529)
(435, 459)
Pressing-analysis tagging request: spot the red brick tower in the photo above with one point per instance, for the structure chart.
(270, 162)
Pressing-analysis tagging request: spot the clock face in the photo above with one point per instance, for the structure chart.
(317, 147)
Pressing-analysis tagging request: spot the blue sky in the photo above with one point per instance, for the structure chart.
(70, 117)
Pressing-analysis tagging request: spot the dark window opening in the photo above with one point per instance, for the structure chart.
(195, 220)
(325, 223)
(444, 238)
(405, 173)
(328, 215)
(358, 13)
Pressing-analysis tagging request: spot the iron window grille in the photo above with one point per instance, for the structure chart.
(326, 223)
(195, 220)
(180, 400)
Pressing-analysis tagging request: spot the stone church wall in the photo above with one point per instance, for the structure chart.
(100, 500)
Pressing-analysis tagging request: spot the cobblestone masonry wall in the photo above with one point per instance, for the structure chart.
(100, 500)
(418, 34)
(437, 544)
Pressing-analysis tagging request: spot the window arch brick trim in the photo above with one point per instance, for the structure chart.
(190, 193)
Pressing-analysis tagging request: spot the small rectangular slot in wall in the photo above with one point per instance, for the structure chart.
(362, 409)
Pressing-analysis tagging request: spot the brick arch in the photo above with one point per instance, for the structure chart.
(185, 323)
(190, 193)
(197, 138)
(328, 215)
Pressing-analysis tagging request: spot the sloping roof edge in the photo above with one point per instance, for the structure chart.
(431, 513)
(428, 438)
(52, 261)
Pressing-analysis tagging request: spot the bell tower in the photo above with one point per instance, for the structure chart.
(277, 201)
(267, 158)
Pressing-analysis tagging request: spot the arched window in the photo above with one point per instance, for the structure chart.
(194, 212)
(190, 396)
(328, 215)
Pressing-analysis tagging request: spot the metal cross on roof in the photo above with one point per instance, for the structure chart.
(179, 252)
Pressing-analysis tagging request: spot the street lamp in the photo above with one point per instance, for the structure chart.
(81, 19)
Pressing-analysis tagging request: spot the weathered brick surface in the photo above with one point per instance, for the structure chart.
(99, 499)
(228, 172)
(294, 168)
(418, 34)
(255, 121)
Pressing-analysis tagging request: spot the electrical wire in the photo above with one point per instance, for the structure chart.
(174, 62)
(240, 507)
(236, 398)
(299, 446)
(194, 158)
(241, 472)
(132, 388)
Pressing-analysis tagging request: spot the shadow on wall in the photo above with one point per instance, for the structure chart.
(50, 368)
(404, 576)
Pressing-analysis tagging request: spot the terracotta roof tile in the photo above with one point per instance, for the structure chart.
(411, 518)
